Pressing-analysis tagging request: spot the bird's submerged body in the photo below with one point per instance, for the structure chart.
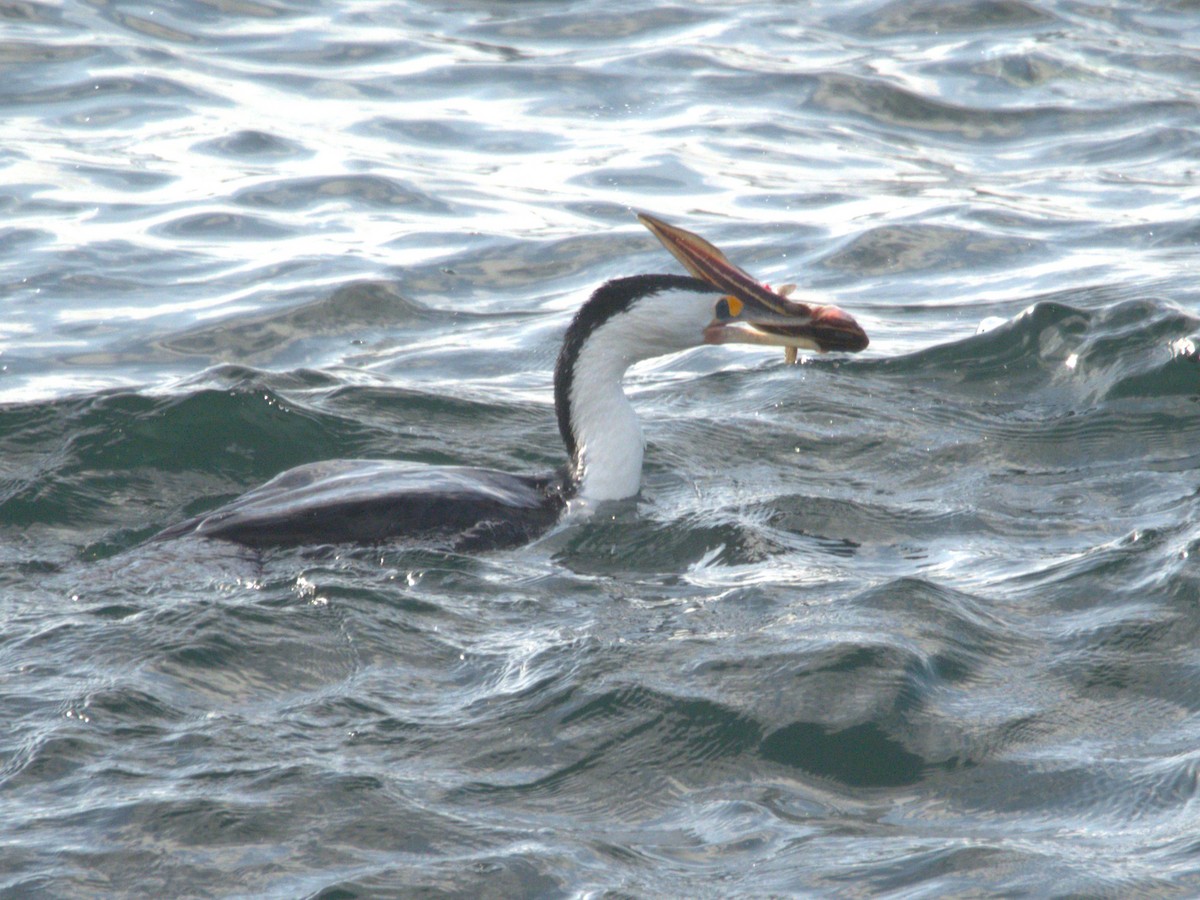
(624, 321)
(367, 501)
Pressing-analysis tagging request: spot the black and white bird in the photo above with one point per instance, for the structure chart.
(625, 321)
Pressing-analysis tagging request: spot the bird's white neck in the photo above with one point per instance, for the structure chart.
(608, 459)
(625, 321)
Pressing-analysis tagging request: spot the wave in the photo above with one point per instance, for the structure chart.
(1062, 353)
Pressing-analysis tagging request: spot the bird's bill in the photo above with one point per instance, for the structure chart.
(808, 327)
(750, 312)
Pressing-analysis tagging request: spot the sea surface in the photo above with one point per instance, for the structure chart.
(919, 622)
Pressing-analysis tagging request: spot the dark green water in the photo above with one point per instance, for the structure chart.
(919, 622)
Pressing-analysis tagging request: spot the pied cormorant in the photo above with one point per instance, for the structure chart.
(626, 320)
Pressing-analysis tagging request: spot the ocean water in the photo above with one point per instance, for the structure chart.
(920, 622)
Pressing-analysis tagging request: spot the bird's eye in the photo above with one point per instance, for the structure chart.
(729, 307)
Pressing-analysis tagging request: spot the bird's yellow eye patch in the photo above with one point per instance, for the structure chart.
(735, 305)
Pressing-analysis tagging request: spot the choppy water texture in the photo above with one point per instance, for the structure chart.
(921, 622)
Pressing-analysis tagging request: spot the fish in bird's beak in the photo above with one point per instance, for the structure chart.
(752, 313)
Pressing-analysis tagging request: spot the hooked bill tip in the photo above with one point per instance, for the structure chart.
(839, 329)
